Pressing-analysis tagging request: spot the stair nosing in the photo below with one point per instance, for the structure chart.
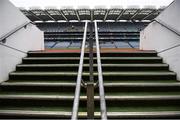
(144, 51)
(71, 97)
(128, 84)
(86, 65)
(142, 84)
(143, 114)
(74, 58)
(129, 73)
(37, 84)
(36, 113)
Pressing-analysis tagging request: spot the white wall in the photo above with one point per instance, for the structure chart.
(26, 39)
(171, 15)
(157, 37)
(10, 17)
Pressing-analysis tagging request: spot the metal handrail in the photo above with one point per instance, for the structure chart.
(100, 77)
(13, 48)
(4, 37)
(169, 28)
(79, 78)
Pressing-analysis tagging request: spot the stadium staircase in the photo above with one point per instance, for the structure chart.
(137, 85)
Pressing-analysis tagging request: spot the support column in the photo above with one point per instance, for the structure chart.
(90, 100)
(90, 84)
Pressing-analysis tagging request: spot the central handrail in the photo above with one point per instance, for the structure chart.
(79, 78)
(100, 77)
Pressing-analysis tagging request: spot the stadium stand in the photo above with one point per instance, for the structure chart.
(69, 34)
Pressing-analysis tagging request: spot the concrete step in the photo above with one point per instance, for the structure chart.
(63, 97)
(133, 88)
(145, 115)
(147, 75)
(114, 103)
(76, 54)
(104, 60)
(39, 86)
(105, 67)
(25, 113)
(15, 112)
(107, 75)
(110, 87)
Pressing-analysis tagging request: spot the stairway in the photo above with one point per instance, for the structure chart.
(137, 85)
(42, 87)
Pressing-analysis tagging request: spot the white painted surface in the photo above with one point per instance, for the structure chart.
(157, 37)
(171, 15)
(26, 39)
(10, 17)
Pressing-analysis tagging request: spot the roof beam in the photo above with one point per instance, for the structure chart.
(54, 13)
(120, 15)
(35, 15)
(29, 14)
(77, 15)
(92, 12)
(107, 12)
(136, 13)
(49, 15)
(63, 15)
(149, 14)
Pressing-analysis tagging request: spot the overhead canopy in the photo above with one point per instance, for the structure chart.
(115, 13)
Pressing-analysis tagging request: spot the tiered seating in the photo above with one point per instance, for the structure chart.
(111, 34)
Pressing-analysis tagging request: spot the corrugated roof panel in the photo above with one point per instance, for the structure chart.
(100, 13)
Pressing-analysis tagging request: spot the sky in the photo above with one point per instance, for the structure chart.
(90, 3)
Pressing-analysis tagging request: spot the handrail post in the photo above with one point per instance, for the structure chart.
(100, 77)
(79, 77)
(90, 83)
(90, 100)
(91, 52)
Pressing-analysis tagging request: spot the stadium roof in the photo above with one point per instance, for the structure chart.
(115, 13)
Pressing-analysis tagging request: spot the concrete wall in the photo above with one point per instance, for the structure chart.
(26, 39)
(157, 37)
(171, 15)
